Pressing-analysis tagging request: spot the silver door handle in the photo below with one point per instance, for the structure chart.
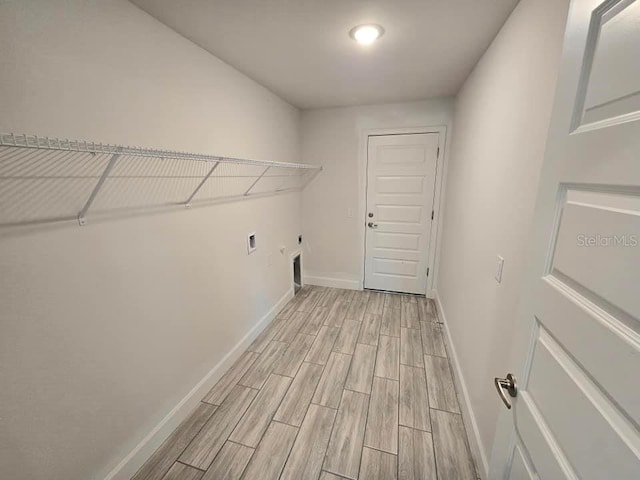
(372, 225)
(509, 384)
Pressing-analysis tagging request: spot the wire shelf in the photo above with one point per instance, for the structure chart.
(48, 179)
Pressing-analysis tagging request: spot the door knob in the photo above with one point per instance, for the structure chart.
(509, 384)
(372, 225)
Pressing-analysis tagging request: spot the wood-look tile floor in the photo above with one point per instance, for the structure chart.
(342, 384)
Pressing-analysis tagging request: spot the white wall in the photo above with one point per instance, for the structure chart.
(501, 120)
(335, 138)
(105, 328)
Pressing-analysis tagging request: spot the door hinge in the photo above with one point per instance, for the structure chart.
(427, 271)
(431, 214)
(438, 153)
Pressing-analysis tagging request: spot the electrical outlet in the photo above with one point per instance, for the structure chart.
(349, 212)
(499, 267)
(269, 259)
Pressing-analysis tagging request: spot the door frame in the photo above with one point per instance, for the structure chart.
(438, 196)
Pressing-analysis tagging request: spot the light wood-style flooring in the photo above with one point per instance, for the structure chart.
(342, 384)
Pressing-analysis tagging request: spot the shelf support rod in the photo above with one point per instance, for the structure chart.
(201, 184)
(313, 175)
(81, 215)
(257, 180)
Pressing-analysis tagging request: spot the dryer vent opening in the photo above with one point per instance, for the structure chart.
(297, 274)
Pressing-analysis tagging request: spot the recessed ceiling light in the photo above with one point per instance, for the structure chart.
(366, 34)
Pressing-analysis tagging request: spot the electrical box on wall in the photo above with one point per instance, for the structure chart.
(251, 242)
(297, 274)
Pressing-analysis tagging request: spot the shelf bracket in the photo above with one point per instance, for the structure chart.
(257, 180)
(201, 184)
(313, 175)
(82, 214)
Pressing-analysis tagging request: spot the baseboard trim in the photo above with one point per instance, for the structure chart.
(332, 282)
(130, 464)
(473, 433)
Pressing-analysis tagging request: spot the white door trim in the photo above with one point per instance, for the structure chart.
(434, 240)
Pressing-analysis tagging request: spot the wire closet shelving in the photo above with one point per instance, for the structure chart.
(48, 179)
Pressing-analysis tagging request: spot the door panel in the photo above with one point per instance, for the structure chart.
(400, 214)
(565, 396)
(575, 324)
(520, 468)
(398, 241)
(401, 173)
(536, 439)
(394, 152)
(613, 79)
(589, 256)
(577, 343)
(403, 267)
(400, 185)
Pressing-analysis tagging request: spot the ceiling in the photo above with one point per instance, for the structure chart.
(300, 49)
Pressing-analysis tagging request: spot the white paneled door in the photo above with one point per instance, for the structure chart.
(401, 174)
(576, 357)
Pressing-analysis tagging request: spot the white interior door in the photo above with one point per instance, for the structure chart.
(577, 346)
(401, 174)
